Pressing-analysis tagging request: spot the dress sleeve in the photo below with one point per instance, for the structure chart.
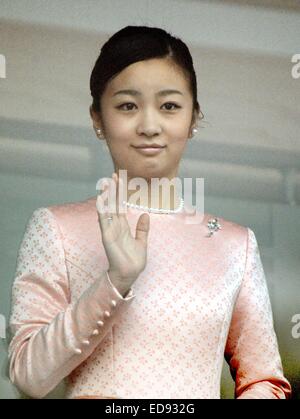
(252, 348)
(52, 335)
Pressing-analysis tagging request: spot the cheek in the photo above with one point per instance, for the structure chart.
(177, 145)
(178, 130)
(120, 149)
(178, 139)
(120, 136)
(119, 133)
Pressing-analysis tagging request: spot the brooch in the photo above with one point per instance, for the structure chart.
(213, 226)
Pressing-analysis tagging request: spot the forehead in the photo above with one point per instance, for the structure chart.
(149, 75)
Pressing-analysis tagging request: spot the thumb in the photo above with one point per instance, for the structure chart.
(142, 228)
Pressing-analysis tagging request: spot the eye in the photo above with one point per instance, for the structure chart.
(172, 104)
(121, 106)
(130, 103)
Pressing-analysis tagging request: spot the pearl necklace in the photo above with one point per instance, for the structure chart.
(157, 210)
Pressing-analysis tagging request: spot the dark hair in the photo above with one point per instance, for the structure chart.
(137, 43)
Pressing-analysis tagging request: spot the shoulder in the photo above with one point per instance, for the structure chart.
(216, 222)
(76, 209)
(226, 233)
(229, 225)
(76, 216)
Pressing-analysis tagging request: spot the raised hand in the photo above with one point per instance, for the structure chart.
(127, 255)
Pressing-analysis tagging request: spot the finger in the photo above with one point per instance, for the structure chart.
(111, 198)
(119, 203)
(115, 178)
(103, 213)
(114, 194)
(142, 228)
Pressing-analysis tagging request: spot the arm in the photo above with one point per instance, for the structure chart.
(51, 334)
(252, 348)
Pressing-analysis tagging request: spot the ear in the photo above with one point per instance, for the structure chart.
(194, 122)
(196, 118)
(95, 118)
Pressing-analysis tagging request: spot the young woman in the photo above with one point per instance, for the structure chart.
(143, 303)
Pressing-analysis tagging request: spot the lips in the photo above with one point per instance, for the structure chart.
(150, 146)
(149, 150)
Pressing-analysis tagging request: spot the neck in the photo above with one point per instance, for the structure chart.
(160, 197)
(168, 200)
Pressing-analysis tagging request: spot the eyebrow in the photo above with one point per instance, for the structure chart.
(132, 92)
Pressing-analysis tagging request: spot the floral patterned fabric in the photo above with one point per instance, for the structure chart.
(199, 299)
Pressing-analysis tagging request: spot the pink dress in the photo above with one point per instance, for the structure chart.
(198, 299)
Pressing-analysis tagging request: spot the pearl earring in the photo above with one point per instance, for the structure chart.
(194, 131)
(99, 132)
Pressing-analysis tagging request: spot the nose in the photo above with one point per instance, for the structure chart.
(149, 126)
